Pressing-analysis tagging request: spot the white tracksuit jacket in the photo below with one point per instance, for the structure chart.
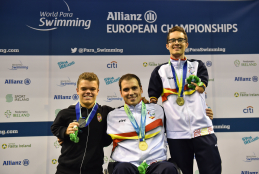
(121, 129)
(187, 121)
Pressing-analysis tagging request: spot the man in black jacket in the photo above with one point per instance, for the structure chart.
(87, 155)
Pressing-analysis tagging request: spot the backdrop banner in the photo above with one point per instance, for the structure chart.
(46, 44)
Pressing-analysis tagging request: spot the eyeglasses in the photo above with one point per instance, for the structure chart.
(180, 40)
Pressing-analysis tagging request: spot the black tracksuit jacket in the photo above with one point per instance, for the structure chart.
(87, 155)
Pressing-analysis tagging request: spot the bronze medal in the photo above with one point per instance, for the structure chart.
(143, 145)
(180, 101)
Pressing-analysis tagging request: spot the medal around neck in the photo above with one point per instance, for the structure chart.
(180, 101)
(143, 145)
(180, 85)
(81, 120)
(139, 129)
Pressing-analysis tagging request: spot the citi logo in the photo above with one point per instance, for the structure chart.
(113, 64)
(122, 120)
(73, 50)
(249, 109)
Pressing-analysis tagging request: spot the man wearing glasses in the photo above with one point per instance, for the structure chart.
(189, 131)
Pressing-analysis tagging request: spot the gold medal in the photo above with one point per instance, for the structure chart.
(143, 145)
(180, 101)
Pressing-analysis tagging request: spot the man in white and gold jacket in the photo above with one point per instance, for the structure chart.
(137, 130)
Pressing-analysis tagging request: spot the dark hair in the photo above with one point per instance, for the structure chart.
(128, 77)
(88, 76)
(177, 28)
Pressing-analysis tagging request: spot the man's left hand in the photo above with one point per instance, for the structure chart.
(198, 88)
(209, 113)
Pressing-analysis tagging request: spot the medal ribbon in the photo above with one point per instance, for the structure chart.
(180, 86)
(140, 130)
(89, 117)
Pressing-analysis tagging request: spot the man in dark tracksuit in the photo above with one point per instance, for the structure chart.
(87, 155)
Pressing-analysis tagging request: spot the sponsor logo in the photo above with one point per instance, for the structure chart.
(248, 172)
(254, 79)
(66, 82)
(54, 161)
(12, 81)
(110, 80)
(25, 162)
(73, 50)
(4, 146)
(236, 94)
(9, 98)
(3, 132)
(113, 97)
(68, 97)
(8, 114)
(120, 121)
(209, 63)
(250, 158)
(249, 109)
(113, 64)
(145, 64)
(248, 140)
(65, 64)
(149, 16)
(221, 126)
(56, 144)
(52, 20)
(188, 50)
(57, 111)
(18, 66)
(13, 145)
(245, 63)
(244, 94)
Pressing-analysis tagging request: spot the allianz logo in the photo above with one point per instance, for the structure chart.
(64, 97)
(149, 16)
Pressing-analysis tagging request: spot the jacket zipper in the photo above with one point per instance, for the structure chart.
(85, 145)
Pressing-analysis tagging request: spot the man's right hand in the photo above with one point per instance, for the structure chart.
(60, 141)
(71, 129)
(152, 100)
